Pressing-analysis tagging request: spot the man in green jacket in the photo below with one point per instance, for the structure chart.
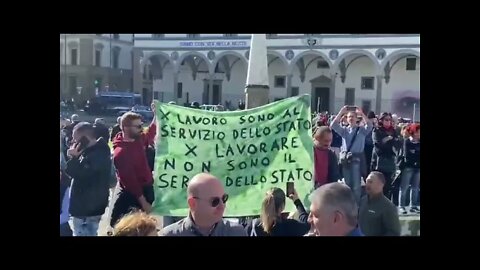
(378, 216)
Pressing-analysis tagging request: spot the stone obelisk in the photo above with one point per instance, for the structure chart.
(257, 89)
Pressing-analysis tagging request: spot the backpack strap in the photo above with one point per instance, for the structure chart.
(353, 140)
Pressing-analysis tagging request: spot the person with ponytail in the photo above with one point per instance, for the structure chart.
(271, 221)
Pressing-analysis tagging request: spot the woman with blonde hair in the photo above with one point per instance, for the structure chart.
(271, 221)
(136, 224)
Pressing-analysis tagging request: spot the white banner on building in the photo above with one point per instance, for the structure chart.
(239, 43)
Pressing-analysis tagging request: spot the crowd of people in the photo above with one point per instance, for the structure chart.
(366, 173)
(383, 143)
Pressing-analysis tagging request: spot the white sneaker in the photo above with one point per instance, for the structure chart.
(415, 210)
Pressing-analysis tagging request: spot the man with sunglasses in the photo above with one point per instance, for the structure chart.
(206, 200)
(130, 160)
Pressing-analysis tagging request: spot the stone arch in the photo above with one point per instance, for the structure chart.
(344, 55)
(310, 52)
(187, 54)
(147, 57)
(234, 53)
(398, 53)
(280, 57)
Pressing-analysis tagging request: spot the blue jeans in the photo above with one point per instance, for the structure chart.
(87, 226)
(410, 176)
(351, 174)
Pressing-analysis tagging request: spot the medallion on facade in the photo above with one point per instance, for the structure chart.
(289, 54)
(174, 55)
(211, 55)
(311, 42)
(380, 54)
(333, 54)
(247, 54)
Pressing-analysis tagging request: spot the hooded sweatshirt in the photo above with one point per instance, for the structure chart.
(130, 160)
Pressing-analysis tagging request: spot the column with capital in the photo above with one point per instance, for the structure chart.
(210, 89)
(289, 85)
(331, 94)
(378, 99)
(175, 86)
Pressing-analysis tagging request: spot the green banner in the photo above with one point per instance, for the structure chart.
(250, 151)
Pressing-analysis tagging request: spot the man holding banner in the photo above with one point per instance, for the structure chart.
(133, 172)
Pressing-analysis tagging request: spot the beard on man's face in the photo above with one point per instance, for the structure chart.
(134, 133)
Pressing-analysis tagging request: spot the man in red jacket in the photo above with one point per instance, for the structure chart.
(133, 172)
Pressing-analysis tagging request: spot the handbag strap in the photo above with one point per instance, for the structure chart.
(353, 140)
(254, 231)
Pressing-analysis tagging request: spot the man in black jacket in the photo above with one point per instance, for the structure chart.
(101, 129)
(89, 167)
(378, 215)
(116, 129)
(386, 144)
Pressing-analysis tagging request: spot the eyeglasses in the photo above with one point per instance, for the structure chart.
(215, 201)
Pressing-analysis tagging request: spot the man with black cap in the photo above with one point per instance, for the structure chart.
(90, 168)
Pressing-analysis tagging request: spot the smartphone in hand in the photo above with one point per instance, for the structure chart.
(290, 188)
(351, 108)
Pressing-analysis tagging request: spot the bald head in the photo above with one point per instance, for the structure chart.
(206, 199)
(395, 118)
(201, 182)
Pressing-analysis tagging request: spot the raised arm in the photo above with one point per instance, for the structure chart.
(335, 125)
(152, 128)
(366, 124)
